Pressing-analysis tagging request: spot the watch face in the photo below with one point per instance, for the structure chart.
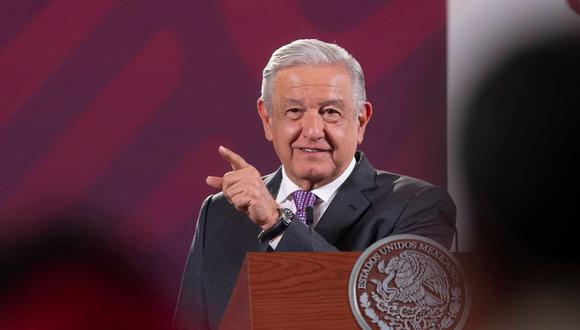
(287, 215)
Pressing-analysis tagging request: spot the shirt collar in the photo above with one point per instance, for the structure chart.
(324, 193)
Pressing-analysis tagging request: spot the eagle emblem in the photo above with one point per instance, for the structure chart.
(408, 282)
(417, 279)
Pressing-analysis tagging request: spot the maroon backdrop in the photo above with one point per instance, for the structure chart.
(111, 111)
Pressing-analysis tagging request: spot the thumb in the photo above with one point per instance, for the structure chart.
(214, 181)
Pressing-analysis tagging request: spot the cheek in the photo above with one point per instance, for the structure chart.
(342, 135)
(285, 133)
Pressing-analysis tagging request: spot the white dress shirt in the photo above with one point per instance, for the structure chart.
(324, 194)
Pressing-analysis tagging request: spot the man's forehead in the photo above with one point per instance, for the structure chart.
(307, 78)
(314, 67)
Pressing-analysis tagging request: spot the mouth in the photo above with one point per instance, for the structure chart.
(313, 151)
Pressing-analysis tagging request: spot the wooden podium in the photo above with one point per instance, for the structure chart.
(301, 291)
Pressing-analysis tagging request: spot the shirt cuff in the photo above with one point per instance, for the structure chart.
(274, 242)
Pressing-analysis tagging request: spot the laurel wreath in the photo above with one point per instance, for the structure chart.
(370, 312)
(446, 322)
(453, 308)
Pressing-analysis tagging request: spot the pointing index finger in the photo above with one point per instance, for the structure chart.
(236, 161)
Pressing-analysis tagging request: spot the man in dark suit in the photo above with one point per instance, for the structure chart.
(325, 197)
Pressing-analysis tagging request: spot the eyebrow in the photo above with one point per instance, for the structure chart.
(292, 102)
(338, 102)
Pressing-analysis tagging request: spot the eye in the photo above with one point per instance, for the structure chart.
(331, 114)
(294, 113)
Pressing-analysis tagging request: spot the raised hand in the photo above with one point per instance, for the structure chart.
(245, 190)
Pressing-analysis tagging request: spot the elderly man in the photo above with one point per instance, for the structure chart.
(326, 196)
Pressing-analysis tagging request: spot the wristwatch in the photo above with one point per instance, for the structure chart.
(284, 219)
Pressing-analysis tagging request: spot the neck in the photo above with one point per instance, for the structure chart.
(307, 185)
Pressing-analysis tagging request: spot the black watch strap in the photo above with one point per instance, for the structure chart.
(284, 220)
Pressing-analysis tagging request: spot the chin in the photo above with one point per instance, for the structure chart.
(315, 174)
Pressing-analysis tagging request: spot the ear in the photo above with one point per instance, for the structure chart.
(363, 119)
(265, 117)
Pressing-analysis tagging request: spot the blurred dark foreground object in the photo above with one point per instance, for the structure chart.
(70, 279)
(520, 149)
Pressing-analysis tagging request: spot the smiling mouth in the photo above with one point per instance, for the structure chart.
(312, 150)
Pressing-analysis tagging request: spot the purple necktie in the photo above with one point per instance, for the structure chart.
(303, 199)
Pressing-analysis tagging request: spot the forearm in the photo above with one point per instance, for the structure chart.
(300, 238)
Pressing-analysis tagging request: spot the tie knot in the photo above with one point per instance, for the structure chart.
(303, 199)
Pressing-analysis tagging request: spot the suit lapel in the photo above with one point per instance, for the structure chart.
(349, 203)
(273, 181)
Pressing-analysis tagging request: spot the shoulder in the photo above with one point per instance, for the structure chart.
(377, 184)
(367, 178)
(401, 183)
(401, 188)
(215, 205)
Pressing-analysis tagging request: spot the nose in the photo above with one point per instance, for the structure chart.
(312, 126)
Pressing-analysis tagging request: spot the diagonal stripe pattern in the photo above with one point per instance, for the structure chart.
(303, 199)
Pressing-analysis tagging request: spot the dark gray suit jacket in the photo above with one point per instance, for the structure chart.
(369, 205)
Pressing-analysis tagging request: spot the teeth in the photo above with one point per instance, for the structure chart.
(310, 150)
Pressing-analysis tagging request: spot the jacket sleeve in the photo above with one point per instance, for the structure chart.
(300, 238)
(429, 213)
(191, 308)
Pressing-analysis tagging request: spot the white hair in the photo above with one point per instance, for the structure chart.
(313, 52)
